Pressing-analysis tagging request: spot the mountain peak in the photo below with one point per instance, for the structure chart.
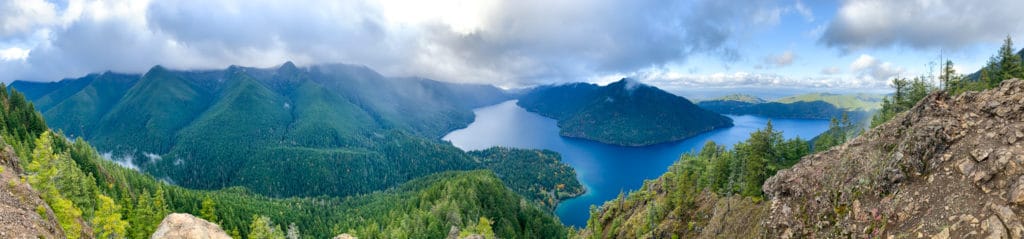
(288, 66)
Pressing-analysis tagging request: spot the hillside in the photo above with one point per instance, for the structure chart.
(849, 102)
(950, 167)
(334, 130)
(64, 189)
(738, 97)
(800, 109)
(624, 113)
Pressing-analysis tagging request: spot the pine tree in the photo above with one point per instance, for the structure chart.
(263, 228)
(42, 176)
(1009, 63)
(108, 222)
(208, 210)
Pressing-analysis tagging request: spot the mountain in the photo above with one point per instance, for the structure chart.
(739, 98)
(624, 113)
(65, 189)
(288, 131)
(950, 167)
(849, 102)
(801, 109)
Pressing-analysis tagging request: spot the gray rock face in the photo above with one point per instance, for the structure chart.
(949, 167)
(186, 226)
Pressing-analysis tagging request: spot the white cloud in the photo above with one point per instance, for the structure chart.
(831, 70)
(922, 23)
(678, 81)
(781, 60)
(23, 16)
(869, 69)
(13, 53)
(508, 43)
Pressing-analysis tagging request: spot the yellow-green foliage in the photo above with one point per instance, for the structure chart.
(263, 228)
(482, 227)
(43, 177)
(108, 222)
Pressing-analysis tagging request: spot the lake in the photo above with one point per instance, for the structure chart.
(605, 170)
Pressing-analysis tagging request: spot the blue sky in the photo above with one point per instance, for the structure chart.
(696, 48)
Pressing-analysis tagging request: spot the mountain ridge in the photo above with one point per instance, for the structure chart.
(624, 112)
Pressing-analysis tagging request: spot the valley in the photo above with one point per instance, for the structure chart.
(605, 170)
(498, 119)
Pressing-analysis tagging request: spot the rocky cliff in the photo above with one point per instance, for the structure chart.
(950, 167)
(23, 214)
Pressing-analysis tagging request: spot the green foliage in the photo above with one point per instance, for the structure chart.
(1002, 66)
(908, 93)
(270, 124)
(839, 131)
(208, 210)
(538, 175)
(108, 222)
(482, 228)
(675, 197)
(263, 228)
(44, 177)
(624, 113)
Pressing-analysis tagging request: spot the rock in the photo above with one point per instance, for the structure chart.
(1010, 221)
(345, 236)
(19, 217)
(995, 228)
(904, 169)
(981, 154)
(1016, 194)
(942, 235)
(186, 226)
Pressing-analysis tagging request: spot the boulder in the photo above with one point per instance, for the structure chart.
(186, 226)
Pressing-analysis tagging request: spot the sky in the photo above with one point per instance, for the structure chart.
(699, 48)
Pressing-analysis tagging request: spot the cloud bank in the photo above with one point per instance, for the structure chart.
(501, 42)
(922, 24)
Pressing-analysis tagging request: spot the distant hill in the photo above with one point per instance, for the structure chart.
(799, 110)
(624, 113)
(288, 131)
(739, 98)
(859, 101)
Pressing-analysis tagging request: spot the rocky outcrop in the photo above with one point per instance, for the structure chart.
(345, 236)
(950, 167)
(186, 226)
(23, 214)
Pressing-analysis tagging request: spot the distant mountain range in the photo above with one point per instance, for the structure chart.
(625, 112)
(287, 131)
(851, 102)
(806, 106)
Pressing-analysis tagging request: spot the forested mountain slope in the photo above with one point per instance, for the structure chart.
(319, 130)
(77, 194)
(625, 112)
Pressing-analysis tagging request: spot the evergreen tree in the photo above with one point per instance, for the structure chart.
(108, 222)
(43, 173)
(208, 210)
(1009, 63)
(263, 228)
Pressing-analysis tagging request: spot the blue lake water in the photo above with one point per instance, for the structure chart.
(605, 170)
